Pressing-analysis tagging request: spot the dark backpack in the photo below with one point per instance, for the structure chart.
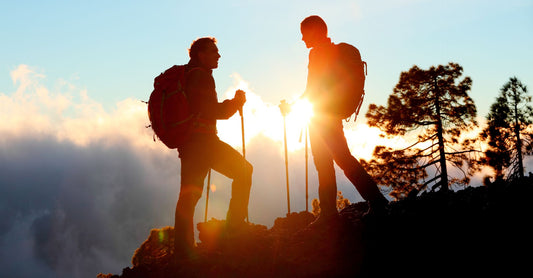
(168, 108)
(350, 75)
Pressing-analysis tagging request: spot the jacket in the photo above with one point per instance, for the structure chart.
(203, 101)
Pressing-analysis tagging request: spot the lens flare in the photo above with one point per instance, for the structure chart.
(161, 235)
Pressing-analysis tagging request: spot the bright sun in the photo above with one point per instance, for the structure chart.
(301, 112)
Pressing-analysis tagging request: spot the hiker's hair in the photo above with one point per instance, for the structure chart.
(315, 22)
(200, 45)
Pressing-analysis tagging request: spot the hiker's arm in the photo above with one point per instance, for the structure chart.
(227, 108)
(203, 97)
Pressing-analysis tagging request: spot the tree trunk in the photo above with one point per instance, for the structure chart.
(518, 142)
(440, 137)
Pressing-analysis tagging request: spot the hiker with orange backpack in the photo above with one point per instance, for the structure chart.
(194, 134)
(204, 150)
(335, 87)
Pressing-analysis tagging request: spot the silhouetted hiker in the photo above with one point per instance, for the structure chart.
(326, 133)
(203, 150)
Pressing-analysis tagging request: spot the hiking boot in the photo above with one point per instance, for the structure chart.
(184, 255)
(236, 225)
(237, 228)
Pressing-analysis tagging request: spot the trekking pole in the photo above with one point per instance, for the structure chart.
(243, 148)
(305, 129)
(306, 171)
(242, 132)
(284, 110)
(207, 195)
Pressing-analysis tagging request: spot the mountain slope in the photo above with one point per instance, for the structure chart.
(475, 231)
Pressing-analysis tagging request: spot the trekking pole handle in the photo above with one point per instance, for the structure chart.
(241, 96)
(284, 107)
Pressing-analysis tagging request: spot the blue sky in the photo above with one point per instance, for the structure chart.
(114, 49)
(81, 180)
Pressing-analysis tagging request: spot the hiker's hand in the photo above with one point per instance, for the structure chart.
(240, 98)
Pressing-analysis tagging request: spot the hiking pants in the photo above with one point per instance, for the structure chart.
(328, 144)
(198, 155)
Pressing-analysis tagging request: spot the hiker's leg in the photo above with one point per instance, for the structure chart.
(327, 184)
(353, 170)
(232, 164)
(193, 173)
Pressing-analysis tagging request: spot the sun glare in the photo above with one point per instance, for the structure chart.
(301, 112)
(263, 118)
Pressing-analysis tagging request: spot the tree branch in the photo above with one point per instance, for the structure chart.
(461, 152)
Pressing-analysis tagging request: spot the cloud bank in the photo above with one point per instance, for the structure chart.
(80, 187)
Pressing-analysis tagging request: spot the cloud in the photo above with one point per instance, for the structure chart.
(86, 208)
(80, 188)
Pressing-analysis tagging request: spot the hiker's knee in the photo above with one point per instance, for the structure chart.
(189, 196)
(324, 166)
(348, 163)
(248, 169)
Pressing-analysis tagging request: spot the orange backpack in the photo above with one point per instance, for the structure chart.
(168, 108)
(351, 73)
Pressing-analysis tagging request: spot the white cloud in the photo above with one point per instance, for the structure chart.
(72, 116)
(83, 186)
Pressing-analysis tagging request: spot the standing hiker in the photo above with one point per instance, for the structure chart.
(325, 85)
(203, 150)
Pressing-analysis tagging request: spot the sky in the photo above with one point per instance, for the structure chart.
(81, 180)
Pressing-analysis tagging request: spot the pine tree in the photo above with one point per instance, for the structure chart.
(509, 130)
(434, 107)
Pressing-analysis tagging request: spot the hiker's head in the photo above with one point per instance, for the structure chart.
(314, 31)
(204, 52)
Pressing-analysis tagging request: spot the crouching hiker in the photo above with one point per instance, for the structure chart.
(203, 150)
